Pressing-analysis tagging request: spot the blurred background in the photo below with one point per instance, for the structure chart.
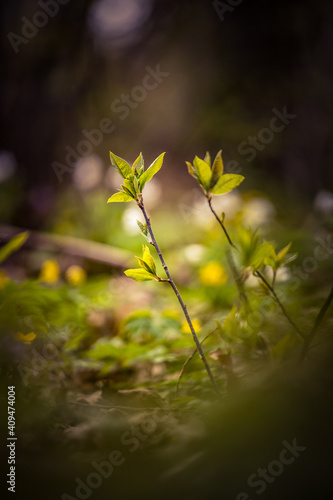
(82, 78)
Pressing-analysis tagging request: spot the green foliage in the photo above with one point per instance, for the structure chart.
(227, 183)
(120, 197)
(211, 179)
(256, 254)
(148, 268)
(140, 275)
(135, 177)
(151, 171)
(101, 342)
(144, 231)
(13, 245)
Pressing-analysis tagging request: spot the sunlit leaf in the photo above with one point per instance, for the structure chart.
(283, 257)
(283, 252)
(207, 158)
(14, 244)
(204, 173)
(127, 191)
(148, 259)
(227, 183)
(139, 275)
(152, 170)
(128, 183)
(120, 197)
(217, 169)
(291, 258)
(264, 255)
(144, 230)
(138, 164)
(191, 170)
(144, 265)
(121, 165)
(248, 241)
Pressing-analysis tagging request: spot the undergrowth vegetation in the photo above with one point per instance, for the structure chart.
(94, 352)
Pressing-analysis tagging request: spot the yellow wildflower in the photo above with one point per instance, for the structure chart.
(26, 339)
(213, 274)
(76, 275)
(50, 271)
(3, 279)
(196, 325)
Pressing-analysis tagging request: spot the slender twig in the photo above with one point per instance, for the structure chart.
(180, 300)
(220, 222)
(316, 325)
(238, 280)
(231, 261)
(259, 275)
(189, 359)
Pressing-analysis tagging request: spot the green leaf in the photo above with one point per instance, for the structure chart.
(207, 158)
(121, 165)
(264, 255)
(152, 170)
(127, 191)
(227, 183)
(121, 197)
(191, 170)
(281, 255)
(144, 231)
(249, 244)
(203, 171)
(14, 244)
(145, 266)
(148, 259)
(128, 183)
(138, 164)
(217, 169)
(135, 184)
(140, 275)
(289, 259)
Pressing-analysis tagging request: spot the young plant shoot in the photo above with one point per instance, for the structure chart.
(135, 178)
(214, 182)
(254, 255)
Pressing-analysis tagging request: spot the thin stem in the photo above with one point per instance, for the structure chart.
(231, 261)
(259, 275)
(220, 222)
(238, 280)
(189, 359)
(180, 300)
(278, 301)
(316, 325)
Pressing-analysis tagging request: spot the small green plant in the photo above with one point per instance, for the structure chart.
(135, 178)
(248, 256)
(254, 255)
(214, 181)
